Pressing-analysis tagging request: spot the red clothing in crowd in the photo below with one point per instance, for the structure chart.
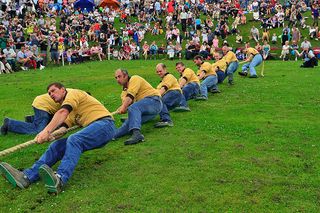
(170, 7)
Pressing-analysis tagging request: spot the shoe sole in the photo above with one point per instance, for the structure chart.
(163, 125)
(181, 110)
(140, 141)
(48, 179)
(7, 175)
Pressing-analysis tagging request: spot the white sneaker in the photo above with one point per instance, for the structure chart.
(42, 67)
(23, 68)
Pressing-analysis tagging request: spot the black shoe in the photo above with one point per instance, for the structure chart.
(4, 127)
(29, 118)
(51, 180)
(253, 76)
(243, 73)
(214, 91)
(201, 98)
(135, 138)
(181, 109)
(14, 176)
(161, 124)
(230, 82)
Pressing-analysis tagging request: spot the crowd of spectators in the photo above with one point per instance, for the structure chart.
(31, 35)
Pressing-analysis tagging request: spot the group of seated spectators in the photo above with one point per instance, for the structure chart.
(31, 36)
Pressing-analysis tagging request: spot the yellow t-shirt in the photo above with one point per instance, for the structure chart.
(139, 88)
(61, 46)
(189, 75)
(170, 82)
(85, 108)
(207, 68)
(230, 57)
(220, 65)
(45, 102)
(252, 51)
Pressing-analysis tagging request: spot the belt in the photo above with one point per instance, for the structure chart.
(109, 117)
(155, 97)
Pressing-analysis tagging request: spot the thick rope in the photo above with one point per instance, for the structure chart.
(56, 134)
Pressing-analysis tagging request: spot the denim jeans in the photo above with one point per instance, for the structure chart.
(189, 91)
(140, 112)
(170, 100)
(232, 68)
(68, 150)
(41, 119)
(209, 82)
(257, 59)
(221, 76)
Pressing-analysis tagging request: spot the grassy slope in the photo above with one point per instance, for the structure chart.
(254, 147)
(244, 29)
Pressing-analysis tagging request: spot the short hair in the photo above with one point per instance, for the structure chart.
(56, 84)
(180, 63)
(163, 66)
(124, 71)
(198, 57)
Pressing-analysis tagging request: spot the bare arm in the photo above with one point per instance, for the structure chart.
(201, 75)
(162, 91)
(58, 118)
(249, 58)
(182, 82)
(125, 104)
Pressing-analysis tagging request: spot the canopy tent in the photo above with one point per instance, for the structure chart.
(114, 4)
(88, 4)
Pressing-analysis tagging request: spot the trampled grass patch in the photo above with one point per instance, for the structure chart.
(252, 148)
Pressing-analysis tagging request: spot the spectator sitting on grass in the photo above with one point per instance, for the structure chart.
(170, 50)
(295, 50)
(310, 59)
(178, 50)
(312, 32)
(305, 44)
(204, 50)
(4, 65)
(239, 38)
(38, 57)
(23, 59)
(153, 50)
(254, 33)
(265, 50)
(127, 51)
(145, 49)
(96, 50)
(10, 56)
(134, 54)
(285, 51)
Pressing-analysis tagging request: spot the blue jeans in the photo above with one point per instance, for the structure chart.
(41, 119)
(209, 82)
(68, 150)
(257, 59)
(232, 68)
(189, 91)
(140, 112)
(221, 76)
(170, 100)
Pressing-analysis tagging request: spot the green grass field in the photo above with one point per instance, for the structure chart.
(252, 148)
